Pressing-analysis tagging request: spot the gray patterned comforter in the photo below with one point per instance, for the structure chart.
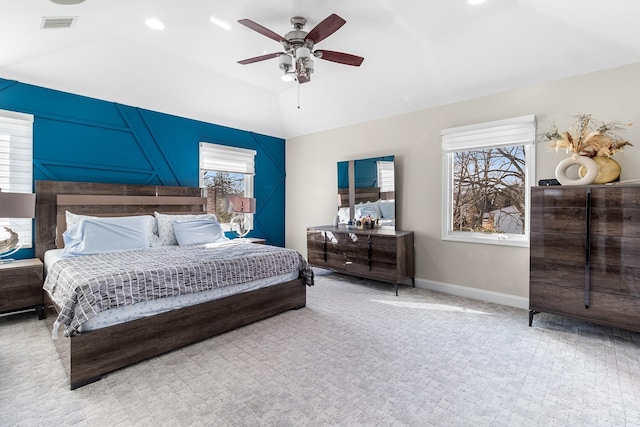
(87, 285)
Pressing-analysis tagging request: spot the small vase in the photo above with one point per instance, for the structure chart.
(608, 170)
(587, 162)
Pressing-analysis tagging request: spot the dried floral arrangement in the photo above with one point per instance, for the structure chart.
(586, 137)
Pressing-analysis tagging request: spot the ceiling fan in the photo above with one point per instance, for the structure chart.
(296, 60)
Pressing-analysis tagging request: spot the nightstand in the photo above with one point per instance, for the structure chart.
(21, 286)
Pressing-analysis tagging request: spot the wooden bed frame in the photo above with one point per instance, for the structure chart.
(89, 355)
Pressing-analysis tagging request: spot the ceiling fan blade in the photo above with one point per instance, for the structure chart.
(339, 57)
(262, 30)
(324, 29)
(259, 58)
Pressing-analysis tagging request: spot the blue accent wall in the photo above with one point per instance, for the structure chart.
(77, 138)
(366, 172)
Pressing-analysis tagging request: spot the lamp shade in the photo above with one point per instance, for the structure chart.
(285, 62)
(237, 204)
(303, 52)
(17, 205)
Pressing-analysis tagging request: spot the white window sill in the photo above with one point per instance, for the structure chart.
(488, 239)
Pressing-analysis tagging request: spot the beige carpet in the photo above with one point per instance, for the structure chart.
(357, 355)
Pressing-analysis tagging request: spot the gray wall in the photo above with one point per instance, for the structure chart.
(414, 139)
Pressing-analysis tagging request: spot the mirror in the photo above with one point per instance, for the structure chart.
(367, 187)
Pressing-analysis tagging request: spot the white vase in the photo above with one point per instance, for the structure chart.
(586, 162)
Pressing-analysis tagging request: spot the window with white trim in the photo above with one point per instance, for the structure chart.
(487, 173)
(386, 176)
(226, 171)
(16, 162)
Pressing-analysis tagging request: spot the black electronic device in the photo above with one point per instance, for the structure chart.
(547, 182)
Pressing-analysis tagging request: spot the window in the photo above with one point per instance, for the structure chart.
(488, 169)
(16, 162)
(386, 180)
(226, 171)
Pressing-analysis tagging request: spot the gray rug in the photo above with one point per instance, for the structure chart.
(356, 355)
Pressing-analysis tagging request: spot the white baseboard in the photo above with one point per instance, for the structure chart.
(474, 293)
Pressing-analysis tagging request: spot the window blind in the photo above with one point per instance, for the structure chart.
(386, 176)
(222, 158)
(499, 133)
(16, 161)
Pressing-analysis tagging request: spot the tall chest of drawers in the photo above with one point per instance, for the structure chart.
(585, 253)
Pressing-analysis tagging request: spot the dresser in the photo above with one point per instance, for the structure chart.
(585, 253)
(379, 254)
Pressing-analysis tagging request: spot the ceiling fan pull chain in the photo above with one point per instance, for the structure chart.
(298, 95)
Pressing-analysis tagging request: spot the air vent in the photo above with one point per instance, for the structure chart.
(57, 22)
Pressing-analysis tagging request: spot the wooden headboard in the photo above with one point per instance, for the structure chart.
(363, 195)
(53, 198)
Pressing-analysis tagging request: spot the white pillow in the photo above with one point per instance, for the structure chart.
(72, 219)
(150, 224)
(368, 208)
(388, 208)
(103, 235)
(198, 232)
(165, 225)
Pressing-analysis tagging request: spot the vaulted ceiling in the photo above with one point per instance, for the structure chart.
(418, 54)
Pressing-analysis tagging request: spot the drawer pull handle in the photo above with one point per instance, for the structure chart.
(369, 251)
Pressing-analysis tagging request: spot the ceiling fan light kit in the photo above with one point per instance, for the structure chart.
(303, 52)
(67, 2)
(296, 61)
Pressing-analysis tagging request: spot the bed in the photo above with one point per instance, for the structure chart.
(367, 201)
(90, 352)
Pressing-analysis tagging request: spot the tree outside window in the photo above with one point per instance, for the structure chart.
(221, 185)
(487, 170)
(488, 190)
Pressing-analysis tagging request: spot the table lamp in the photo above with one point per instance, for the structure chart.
(240, 206)
(13, 205)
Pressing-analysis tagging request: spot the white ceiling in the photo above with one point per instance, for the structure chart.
(418, 54)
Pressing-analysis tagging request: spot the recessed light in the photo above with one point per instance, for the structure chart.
(475, 2)
(220, 23)
(154, 23)
(67, 1)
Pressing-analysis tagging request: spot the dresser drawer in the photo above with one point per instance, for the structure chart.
(381, 255)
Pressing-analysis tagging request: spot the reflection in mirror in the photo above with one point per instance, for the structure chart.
(367, 187)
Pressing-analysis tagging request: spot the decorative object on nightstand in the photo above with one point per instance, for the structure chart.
(591, 146)
(240, 224)
(13, 205)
